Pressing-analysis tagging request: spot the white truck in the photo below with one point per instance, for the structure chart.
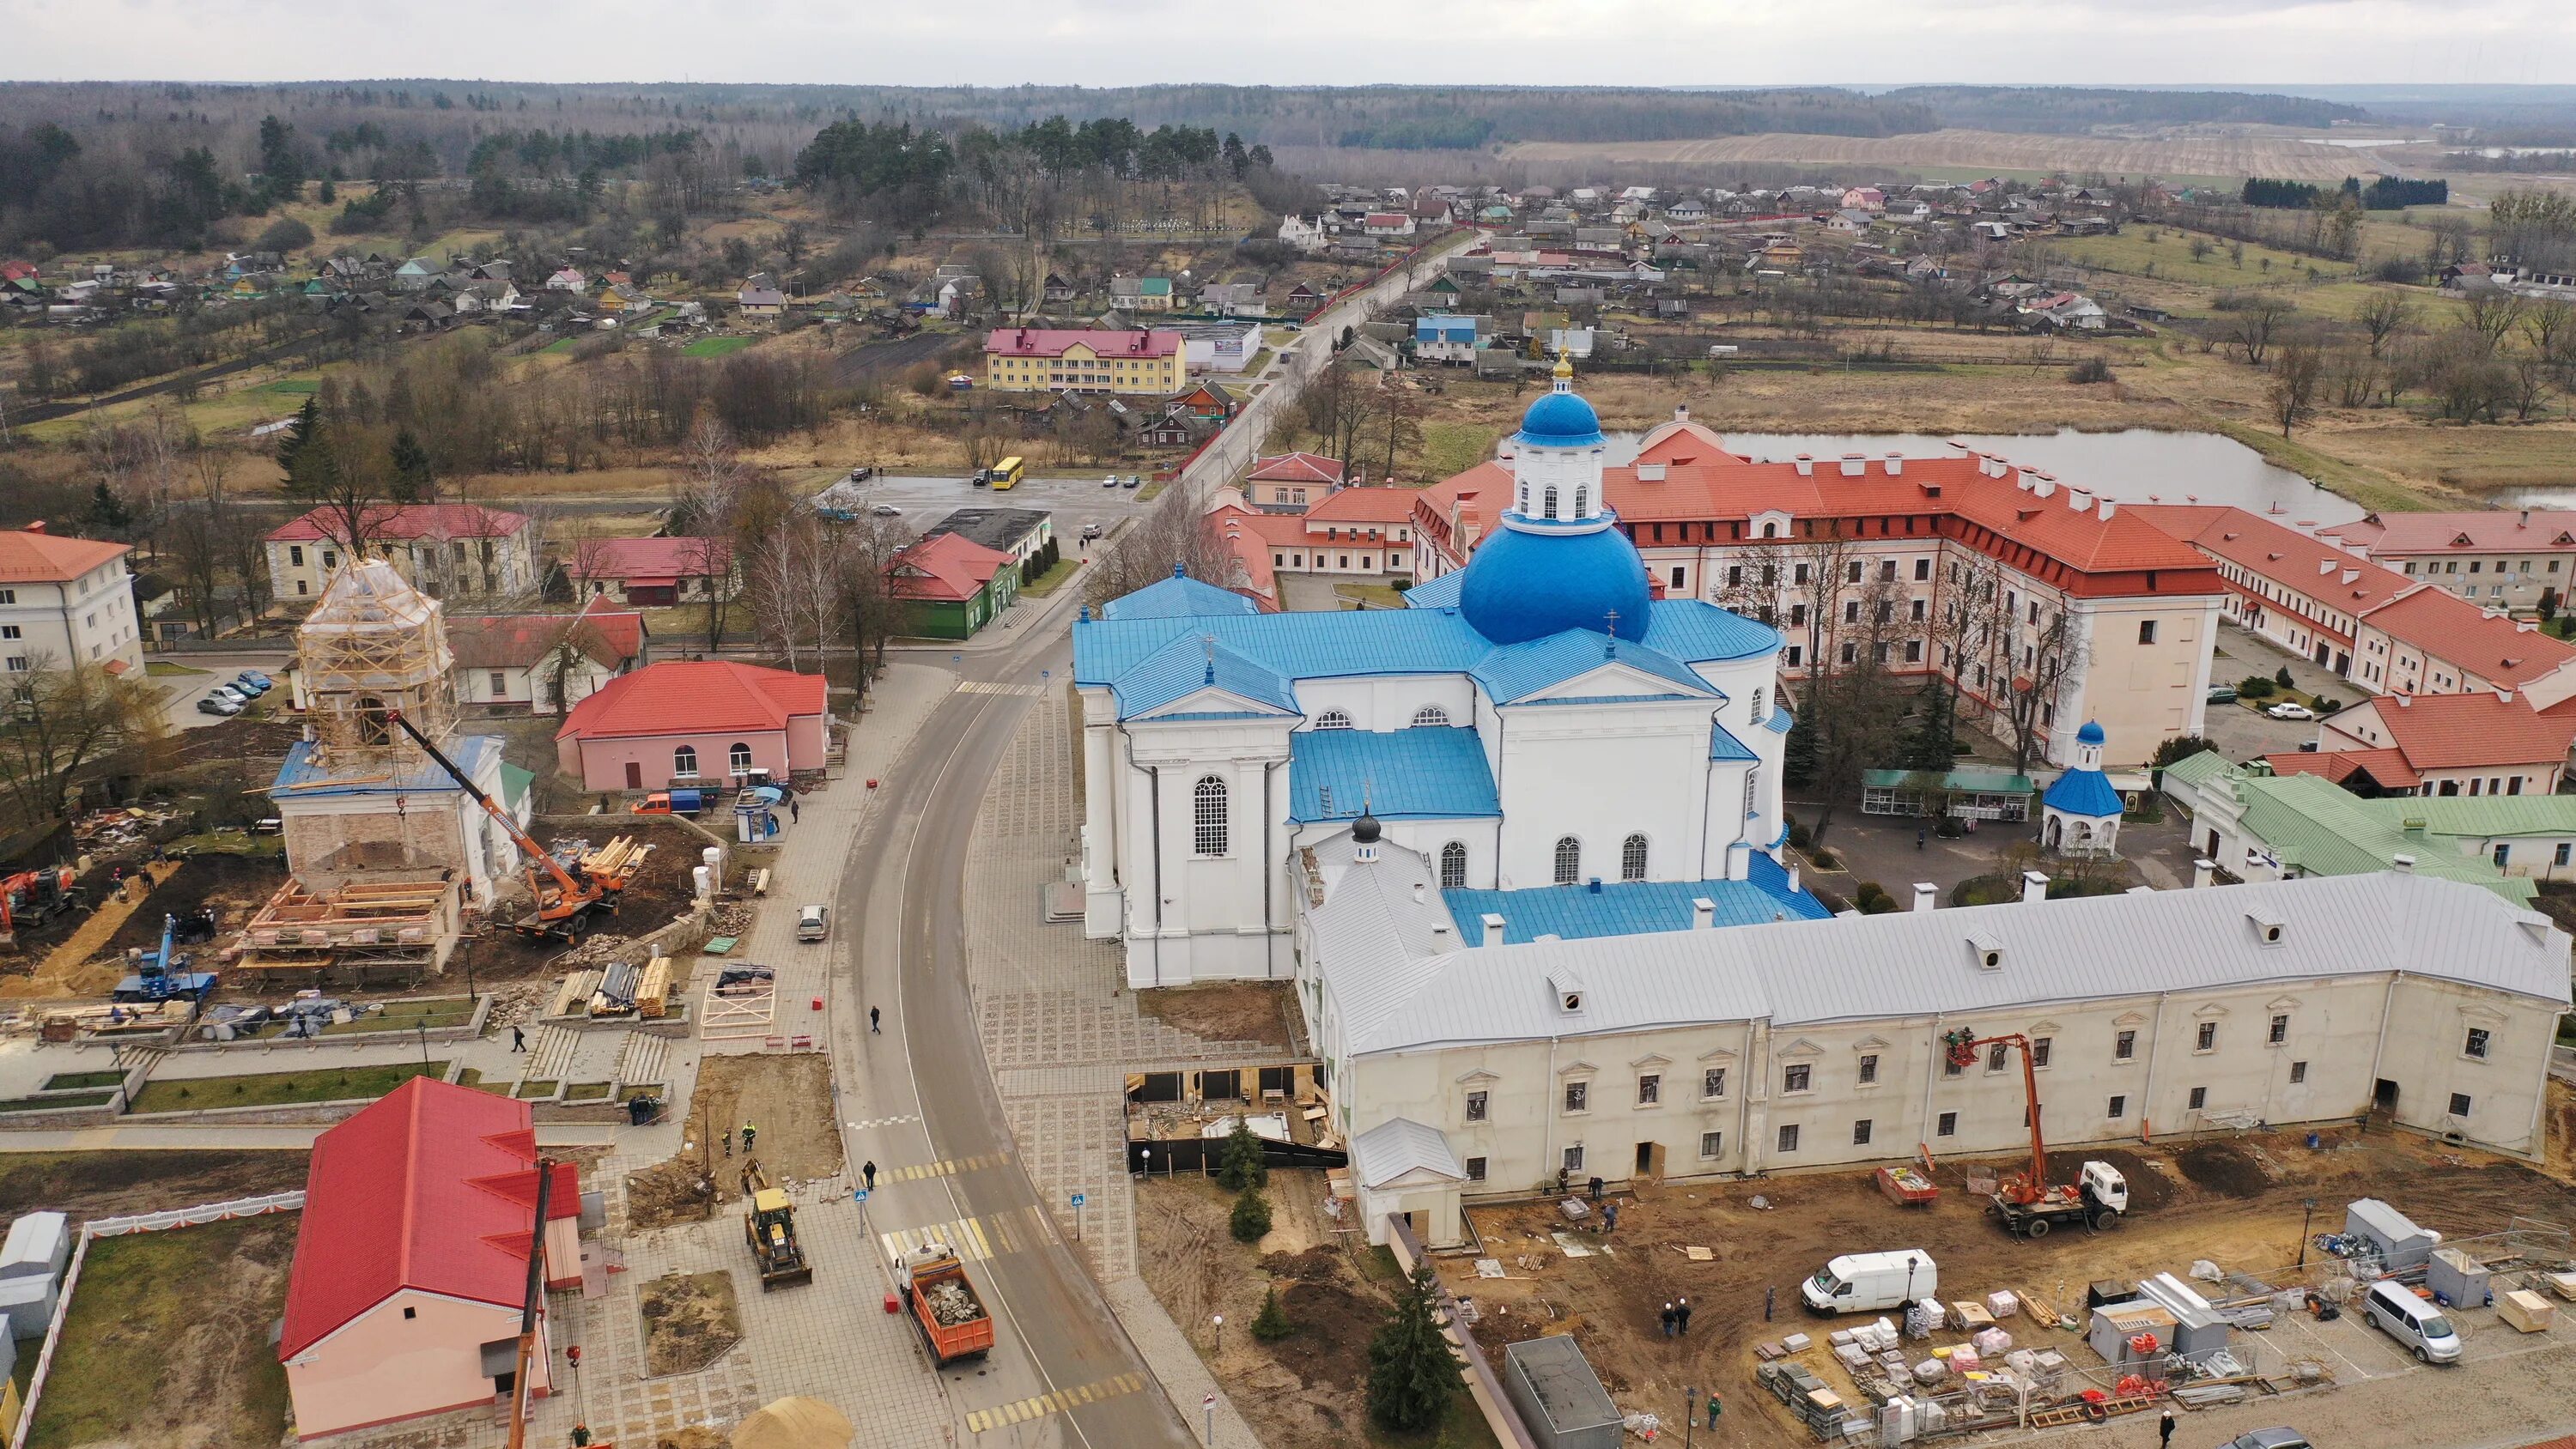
(1872, 1282)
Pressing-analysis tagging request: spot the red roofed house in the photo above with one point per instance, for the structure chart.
(2485, 742)
(1363, 531)
(2498, 558)
(653, 573)
(1288, 482)
(1092, 359)
(954, 584)
(65, 602)
(690, 722)
(411, 1263)
(1249, 536)
(445, 550)
(544, 663)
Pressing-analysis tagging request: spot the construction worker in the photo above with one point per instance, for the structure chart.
(748, 1133)
(1712, 1411)
(1681, 1316)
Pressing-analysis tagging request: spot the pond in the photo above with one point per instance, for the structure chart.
(2137, 465)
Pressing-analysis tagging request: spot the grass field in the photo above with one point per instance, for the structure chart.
(2169, 257)
(716, 346)
(165, 669)
(1953, 153)
(1053, 578)
(279, 1089)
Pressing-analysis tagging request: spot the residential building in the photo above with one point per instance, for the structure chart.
(1355, 531)
(954, 585)
(543, 663)
(1305, 233)
(2387, 633)
(1141, 294)
(1222, 742)
(693, 722)
(411, 1260)
(447, 550)
(1206, 402)
(2487, 742)
(65, 602)
(2496, 558)
(568, 279)
(760, 304)
(1020, 534)
(1028, 359)
(1388, 224)
(1991, 576)
(1235, 299)
(1699, 1049)
(653, 573)
(1290, 482)
(1448, 337)
(2255, 825)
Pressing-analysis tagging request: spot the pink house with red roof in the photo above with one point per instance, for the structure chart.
(411, 1262)
(693, 722)
(653, 573)
(446, 550)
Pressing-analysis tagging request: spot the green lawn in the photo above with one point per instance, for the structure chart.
(159, 1323)
(1375, 596)
(2169, 257)
(1449, 449)
(559, 346)
(166, 669)
(290, 387)
(716, 346)
(279, 1089)
(1053, 578)
(74, 1081)
(49, 1104)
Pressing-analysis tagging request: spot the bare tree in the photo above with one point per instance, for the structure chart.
(1174, 537)
(67, 721)
(2295, 371)
(2550, 323)
(2490, 314)
(2253, 327)
(2387, 313)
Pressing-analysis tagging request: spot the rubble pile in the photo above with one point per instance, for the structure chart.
(951, 1304)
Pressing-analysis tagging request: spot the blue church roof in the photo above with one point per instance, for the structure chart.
(1428, 772)
(1522, 585)
(2083, 792)
(1724, 746)
(1191, 663)
(1514, 672)
(1560, 420)
(1628, 908)
(2091, 734)
(1177, 597)
(1439, 593)
(303, 778)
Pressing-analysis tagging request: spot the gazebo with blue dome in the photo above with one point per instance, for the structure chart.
(2080, 813)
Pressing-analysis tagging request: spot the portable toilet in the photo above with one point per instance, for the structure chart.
(2390, 1233)
(1559, 1396)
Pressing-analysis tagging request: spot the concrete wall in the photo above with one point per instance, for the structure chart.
(601, 763)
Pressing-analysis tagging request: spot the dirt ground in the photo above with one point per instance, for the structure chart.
(658, 894)
(690, 1321)
(102, 1184)
(235, 885)
(1255, 1011)
(2234, 1201)
(788, 1098)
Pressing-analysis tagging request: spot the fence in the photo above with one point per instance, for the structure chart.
(1501, 1414)
(1205, 1154)
(213, 1212)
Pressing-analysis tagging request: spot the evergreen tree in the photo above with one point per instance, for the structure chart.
(415, 481)
(1411, 1370)
(1798, 757)
(306, 427)
(2548, 607)
(1240, 1167)
(2281, 676)
(107, 511)
(1933, 745)
(1251, 1218)
(1271, 1324)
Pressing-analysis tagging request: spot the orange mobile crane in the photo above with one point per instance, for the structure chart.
(2025, 1202)
(573, 894)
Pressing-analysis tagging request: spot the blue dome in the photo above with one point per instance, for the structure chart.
(1561, 420)
(1527, 585)
(2091, 734)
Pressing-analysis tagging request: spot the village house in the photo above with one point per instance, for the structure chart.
(1306, 234)
(686, 723)
(760, 304)
(543, 663)
(653, 573)
(953, 585)
(1388, 224)
(1448, 338)
(1141, 294)
(447, 550)
(1206, 402)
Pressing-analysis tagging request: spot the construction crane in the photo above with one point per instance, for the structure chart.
(2025, 1202)
(157, 976)
(533, 1299)
(770, 1228)
(572, 893)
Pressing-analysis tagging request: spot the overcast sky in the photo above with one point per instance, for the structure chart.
(2235, 43)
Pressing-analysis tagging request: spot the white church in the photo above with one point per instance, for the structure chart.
(1576, 757)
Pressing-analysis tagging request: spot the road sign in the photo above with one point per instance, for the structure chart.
(1079, 1199)
(860, 1195)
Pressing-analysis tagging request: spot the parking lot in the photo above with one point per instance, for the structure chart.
(180, 692)
(1073, 499)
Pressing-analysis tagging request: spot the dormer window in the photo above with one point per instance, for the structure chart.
(1333, 719)
(1568, 989)
(2267, 926)
(1986, 951)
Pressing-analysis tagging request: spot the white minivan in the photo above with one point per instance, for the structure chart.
(2393, 1309)
(1872, 1282)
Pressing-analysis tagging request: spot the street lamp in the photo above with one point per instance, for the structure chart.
(1219, 1321)
(2309, 1215)
(1690, 1414)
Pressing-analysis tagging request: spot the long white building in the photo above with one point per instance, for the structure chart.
(1534, 725)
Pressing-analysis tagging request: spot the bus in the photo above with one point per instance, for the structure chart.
(1007, 472)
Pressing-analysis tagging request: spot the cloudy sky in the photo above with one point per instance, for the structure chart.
(2236, 43)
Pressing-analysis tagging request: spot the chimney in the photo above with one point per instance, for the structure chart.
(1794, 872)
(1703, 913)
(34, 526)
(1992, 467)
(1855, 464)
(2042, 485)
(2034, 886)
(2405, 701)
(1681, 413)
(2025, 478)
(2405, 863)
(2526, 519)
(2203, 872)
(1895, 464)
(1417, 892)
(1806, 465)
(2078, 500)
(2106, 509)
(1925, 892)
(1493, 929)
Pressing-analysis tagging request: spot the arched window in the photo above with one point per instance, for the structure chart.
(1547, 503)
(1569, 860)
(1770, 530)
(740, 755)
(1207, 803)
(1758, 715)
(375, 723)
(1333, 719)
(1582, 500)
(1453, 866)
(1430, 716)
(1632, 858)
(684, 760)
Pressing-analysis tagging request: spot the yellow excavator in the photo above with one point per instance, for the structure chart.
(770, 1228)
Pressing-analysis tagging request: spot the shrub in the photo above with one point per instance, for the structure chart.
(1251, 1218)
(2327, 706)
(1872, 898)
(1950, 828)
(2255, 686)
(2281, 676)
(2091, 369)
(285, 234)
(2180, 747)
(1825, 859)
(1271, 1324)
(1800, 838)
(1240, 1166)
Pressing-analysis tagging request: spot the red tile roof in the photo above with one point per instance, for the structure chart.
(1297, 468)
(694, 696)
(1364, 505)
(1250, 535)
(408, 521)
(433, 1188)
(2287, 557)
(2494, 530)
(515, 641)
(1106, 342)
(49, 558)
(949, 566)
(2491, 646)
(639, 559)
(2388, 767)
(2474, 730)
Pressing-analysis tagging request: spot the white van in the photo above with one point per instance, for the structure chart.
(1872, 1282)
(2393, 1309)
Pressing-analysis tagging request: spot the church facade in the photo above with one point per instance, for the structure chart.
(1536, 726)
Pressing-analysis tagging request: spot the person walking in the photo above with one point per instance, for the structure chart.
(748, 1133)
(793, 814)
(1712, 1411)
(2164, 1428)
(872, 1021)
(1668, 1320)
(518, 1040)
(1681, 1316)
(870, 1173)
(727, 1139)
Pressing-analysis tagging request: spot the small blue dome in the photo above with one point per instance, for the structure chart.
(1527, 585)
(1561, 420)
(2091, 734)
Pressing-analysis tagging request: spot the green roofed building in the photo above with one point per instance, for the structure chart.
(2255, 825)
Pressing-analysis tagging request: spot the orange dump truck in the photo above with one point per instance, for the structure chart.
(945, 1305)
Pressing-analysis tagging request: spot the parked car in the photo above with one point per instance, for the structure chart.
(1090, 531)
(230, 695)
(813, 923)
(2223, 694)
(255, 677)
(2279, 1438)
(1109, 482)
(1870, 1282)
(1135, 480)
(244, 684)
(213, 704)
(2393, 1309)
(982, 477)
(2288, 710)
(886, 510)
(862, 473)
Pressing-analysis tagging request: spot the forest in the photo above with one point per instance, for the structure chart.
(2074, 108)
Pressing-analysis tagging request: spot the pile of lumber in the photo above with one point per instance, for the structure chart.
(653, 992)
(618, 860)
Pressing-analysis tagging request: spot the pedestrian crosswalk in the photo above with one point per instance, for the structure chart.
(1018, 691)
(981, 1420)
(972, 1239)
(871, 1122)
(921, 1170)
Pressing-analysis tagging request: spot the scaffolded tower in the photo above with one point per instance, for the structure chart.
(374, 644)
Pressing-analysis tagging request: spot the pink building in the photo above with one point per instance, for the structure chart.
(693, 721)
(411, 1263)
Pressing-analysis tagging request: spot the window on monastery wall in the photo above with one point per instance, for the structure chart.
(1333, 719)
(740, 755)
(1453, 866)
(1569, 860)
(1632, 858)
(684, 760)
(1208, 816)
(1430, 716)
